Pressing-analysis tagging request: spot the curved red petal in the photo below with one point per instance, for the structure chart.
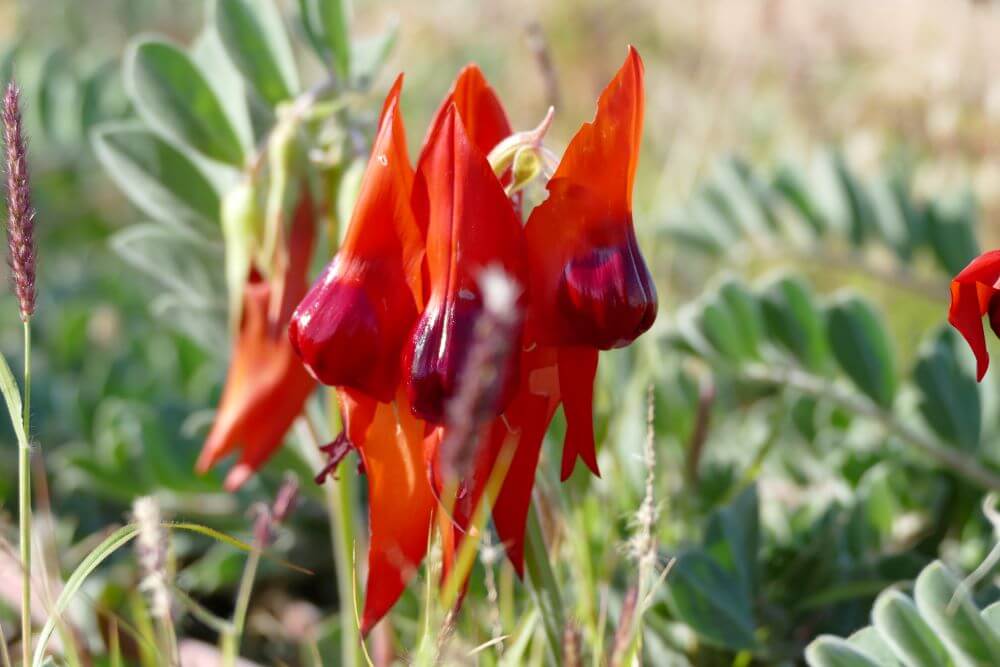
(972, 293)
(591, 285)
(479, 108)
(471, 225)
(400, 504)
(577, 369)
(966, 315)
(351, 326)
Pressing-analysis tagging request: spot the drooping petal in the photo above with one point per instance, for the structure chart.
(266, 385)
(350, 327)
(518, 434)
(972, 296)
(526, 420)
(471, 226)
(400, 503)
(591, 286)
(479, 108)
(577, 369)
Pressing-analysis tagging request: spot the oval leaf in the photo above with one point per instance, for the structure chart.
(156, 177)
(172, 95)
(829, 651)
(328, 22)
(794, 321)
(709, 599)
(949, 398)
(254, 35)
(899, 623)
(861, 346)
(953, 616)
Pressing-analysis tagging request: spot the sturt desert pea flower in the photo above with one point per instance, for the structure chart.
(974, 294)
(591, 289)
(266, 386)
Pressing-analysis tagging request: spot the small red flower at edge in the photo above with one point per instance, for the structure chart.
(974, 294)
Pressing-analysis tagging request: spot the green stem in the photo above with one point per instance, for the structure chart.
(24, 503)
(544, 588)
(339, 495)
(231, 639)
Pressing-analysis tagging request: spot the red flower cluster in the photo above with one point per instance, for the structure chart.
(974, 294)
(391, 321)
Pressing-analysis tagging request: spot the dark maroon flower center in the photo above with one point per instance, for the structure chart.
(607, 296)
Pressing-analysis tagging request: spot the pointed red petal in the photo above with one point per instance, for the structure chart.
(591, 285)
(400, 507)
(577, 369)
(471, 225)
(351, 326)
(479, 108)
(510, 510)
(523, 425)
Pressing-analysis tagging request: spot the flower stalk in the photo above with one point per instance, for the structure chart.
(21, 244)
(24, 503)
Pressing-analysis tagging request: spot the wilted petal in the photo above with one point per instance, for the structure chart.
(591, 284)
(266, 385)
(350, 328)
(471, 225)
(972, 296)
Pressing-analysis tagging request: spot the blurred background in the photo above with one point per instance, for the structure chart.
(899, 98)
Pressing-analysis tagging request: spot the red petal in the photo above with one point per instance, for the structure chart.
(266, 385)
(351, 326)
(479, 108)
(972, 291)
(471, 225)
(400, 507)
(527, 419)
(577, 369)
(521, 427)
(591, 285)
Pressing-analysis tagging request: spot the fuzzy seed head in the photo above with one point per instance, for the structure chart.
(20, 214)
(151, 549)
